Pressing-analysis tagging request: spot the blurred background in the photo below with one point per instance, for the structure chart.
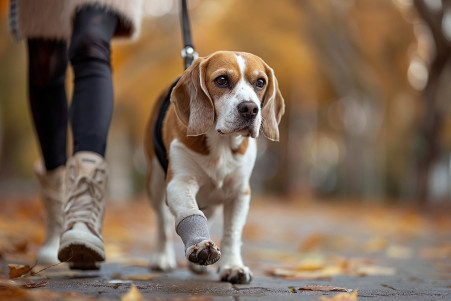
(367, 86)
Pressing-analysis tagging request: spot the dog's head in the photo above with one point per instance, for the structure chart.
(235, 92)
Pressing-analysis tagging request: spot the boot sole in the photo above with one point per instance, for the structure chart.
(80, 257)
(81, 254)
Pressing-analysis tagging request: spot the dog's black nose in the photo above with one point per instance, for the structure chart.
(248, 109)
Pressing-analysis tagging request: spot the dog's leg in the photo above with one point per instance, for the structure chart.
(163, 258)
(232, 268)
(191, 223)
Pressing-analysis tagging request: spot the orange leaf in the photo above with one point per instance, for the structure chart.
(18, 270)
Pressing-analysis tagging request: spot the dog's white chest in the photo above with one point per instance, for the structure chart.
(220, 167)
(221, 162)
(221, 171)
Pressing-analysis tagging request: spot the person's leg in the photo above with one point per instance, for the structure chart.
(48, 102)
(92, 103)
(90, 114)
(46, 80)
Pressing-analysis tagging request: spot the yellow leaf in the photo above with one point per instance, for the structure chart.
(133, 295)
(290, 274)
(375, 270)
(311, 264)
(399, 252)
(342, 297)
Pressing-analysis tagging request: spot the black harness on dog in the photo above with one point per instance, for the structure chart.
(159, 148)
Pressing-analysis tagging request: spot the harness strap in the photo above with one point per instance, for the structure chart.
(160, 149)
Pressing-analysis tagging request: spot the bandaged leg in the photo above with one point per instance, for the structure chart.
(199, 248)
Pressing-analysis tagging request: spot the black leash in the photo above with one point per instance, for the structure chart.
(188, 53)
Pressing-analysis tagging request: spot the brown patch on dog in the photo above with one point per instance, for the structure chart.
(241, 150)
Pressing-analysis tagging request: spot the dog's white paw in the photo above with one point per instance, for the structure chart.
(203, 253)
(163, 262)
(236, 274)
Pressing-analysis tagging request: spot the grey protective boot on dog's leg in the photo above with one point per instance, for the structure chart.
(84, 203)
(199, 249)
(51, 184)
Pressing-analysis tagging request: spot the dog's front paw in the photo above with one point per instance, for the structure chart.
(203, 253)
(163, 262)
(236, 274)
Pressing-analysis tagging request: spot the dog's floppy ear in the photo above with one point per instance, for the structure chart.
(273, 107)
(192, 102)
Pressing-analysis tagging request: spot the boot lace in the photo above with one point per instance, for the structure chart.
(84, 203)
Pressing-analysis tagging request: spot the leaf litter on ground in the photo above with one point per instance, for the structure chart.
(133, 295)
(325, 268)
(324, 288)
(342, 297)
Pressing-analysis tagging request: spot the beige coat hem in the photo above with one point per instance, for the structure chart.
(52, 19)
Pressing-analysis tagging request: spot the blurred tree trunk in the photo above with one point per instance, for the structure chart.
(431, 124)
(355, 86)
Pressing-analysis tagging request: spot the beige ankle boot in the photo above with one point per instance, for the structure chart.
(51, 183)
(84, 202)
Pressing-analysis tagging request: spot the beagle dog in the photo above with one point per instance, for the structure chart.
(207, 127)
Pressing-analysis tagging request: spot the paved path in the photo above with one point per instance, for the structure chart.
(383, 253)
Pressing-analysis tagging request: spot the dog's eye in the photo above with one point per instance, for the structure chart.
(260, 83)
(222, 81)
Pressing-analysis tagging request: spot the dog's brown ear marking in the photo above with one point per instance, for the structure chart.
(192, 101)
(273, 107)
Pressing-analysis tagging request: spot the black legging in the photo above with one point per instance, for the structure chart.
(92, 101)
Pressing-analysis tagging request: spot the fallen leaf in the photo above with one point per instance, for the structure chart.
(399, 252)
(290, 274)
(320, 241)
(342, 297)
(312, 242)
(388, 286)
(137, 277)
(292, 289)
(311, 264)
(133, 295)
(324, 288)
(18, 270)
(31, 284)
(4, 283)
(374, 270)
(376, 244)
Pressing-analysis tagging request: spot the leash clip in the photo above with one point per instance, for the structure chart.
(188, 52)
